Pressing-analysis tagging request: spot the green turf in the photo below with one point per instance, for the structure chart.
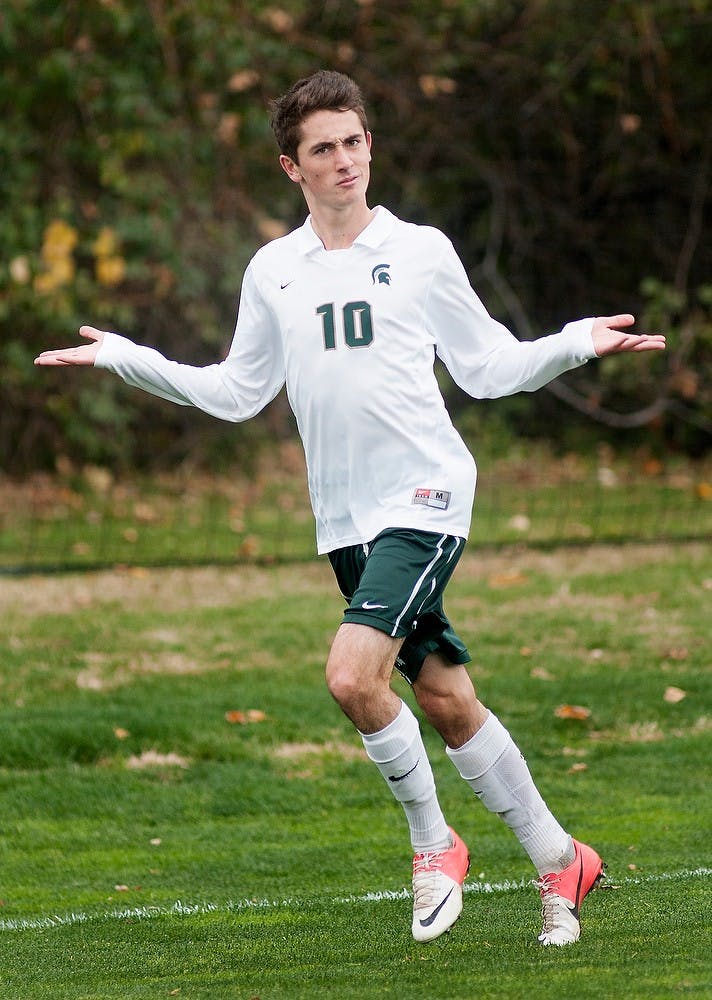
(268, 860)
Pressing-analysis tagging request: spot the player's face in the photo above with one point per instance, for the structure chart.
(333, 159)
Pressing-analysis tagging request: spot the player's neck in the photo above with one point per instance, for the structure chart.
(337, 230)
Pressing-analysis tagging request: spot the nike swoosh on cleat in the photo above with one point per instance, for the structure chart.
(577, 901)
(429, 920)
(400, 777)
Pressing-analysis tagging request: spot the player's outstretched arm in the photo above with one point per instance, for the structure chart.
(608, 339)
(85, 354)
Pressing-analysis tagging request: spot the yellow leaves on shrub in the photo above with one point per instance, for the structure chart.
(59, 240)
(110, 271)
(105, 243)
(110, 266)
(58, 264)
(58, 245)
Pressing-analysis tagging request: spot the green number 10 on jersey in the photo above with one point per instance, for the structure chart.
(357, 324)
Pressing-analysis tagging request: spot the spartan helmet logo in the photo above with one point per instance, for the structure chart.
(380, 274)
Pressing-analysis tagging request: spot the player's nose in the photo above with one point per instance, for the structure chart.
(342, 158)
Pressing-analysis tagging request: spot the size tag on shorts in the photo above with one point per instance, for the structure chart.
(432, 498)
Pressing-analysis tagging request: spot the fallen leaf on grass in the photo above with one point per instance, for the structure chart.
(121, 888)
(249, 547)
(673, 695)
(121, 734)
(236, 717)
(676, 653)
(578, 766)
(572, 712)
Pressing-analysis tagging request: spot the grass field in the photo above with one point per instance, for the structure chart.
(185, 813)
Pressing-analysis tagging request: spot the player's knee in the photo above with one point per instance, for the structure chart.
(343, 683)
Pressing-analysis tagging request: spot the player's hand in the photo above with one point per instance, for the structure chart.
(608, 339)
(85, 354)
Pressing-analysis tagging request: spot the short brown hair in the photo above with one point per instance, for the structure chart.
(325, 90)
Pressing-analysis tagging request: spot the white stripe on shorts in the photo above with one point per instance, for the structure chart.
(438, 555)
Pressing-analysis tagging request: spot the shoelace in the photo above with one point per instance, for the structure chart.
(550, 907)
(550, 901)
(547, 883)
(426, 869)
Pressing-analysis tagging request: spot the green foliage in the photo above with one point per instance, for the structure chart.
(565, 148)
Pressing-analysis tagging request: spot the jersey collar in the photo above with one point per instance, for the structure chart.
(375, 233)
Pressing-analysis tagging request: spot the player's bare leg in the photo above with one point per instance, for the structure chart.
(358, 675)
(488, 759)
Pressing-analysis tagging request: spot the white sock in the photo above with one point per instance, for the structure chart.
(399, 754)
(496, 771)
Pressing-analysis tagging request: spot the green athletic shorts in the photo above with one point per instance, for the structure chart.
(395, 584)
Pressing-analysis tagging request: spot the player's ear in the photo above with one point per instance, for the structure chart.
(290, 168)
(368, 141)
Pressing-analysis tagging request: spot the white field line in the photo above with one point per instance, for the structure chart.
(237, 906)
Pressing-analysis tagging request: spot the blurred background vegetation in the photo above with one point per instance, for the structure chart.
(565, 147)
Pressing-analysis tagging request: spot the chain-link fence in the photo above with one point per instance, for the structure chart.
(88, 519)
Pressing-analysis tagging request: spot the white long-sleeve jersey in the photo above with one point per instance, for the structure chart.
(354, 334)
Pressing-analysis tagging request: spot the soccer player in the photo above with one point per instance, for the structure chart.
(350, 311)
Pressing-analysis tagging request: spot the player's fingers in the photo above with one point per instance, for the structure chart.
(650, 342)
(91, 333)
(65, 356)
(49, 355)
(50, 358)
(622, 319)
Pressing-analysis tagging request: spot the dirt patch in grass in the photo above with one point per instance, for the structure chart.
(165, 589)
(153, 759)
(104, 673)
(306, 761)
(205, 587)
(334, 748)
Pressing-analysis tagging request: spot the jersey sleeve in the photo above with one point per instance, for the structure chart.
(481, 354)
(235, 389)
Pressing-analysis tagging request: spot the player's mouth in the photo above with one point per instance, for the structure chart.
(348, 181)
